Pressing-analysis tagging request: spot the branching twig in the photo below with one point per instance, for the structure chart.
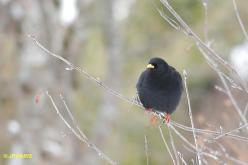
(200, 44)
(246, 109)
(209, 132)
(166, 145)
(147, 151)
(205, 5)
(85, 74)
(191, 145)
(222, 76)
(224, 134)
(239, 19)
(173, 145)
(187, 30)
(230, 95)
(81, 136)
(72, 118)
(191, 118)
(182, 159)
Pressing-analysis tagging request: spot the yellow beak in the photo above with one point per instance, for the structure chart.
(150, 66)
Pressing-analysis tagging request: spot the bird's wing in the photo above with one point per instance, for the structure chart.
(178, 77)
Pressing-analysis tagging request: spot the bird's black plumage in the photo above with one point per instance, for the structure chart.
(160, 86)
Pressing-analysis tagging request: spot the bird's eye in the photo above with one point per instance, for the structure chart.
(155, 65)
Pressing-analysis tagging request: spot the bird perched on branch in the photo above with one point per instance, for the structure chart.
(160, 87)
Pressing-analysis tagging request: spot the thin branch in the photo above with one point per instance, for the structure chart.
(246, 109)
(210, 155)
(173, 145)
(233, 84)
(227, 89)
(230, 95)
(172, 22)
(187, 30)
(214, 154)
(147, 151)
(191, 145)
(200, 44)
(207, 154)
(227, 156)
(205, 5)
(182, 159)
(234, 130)
(209, 132)
(239, 19)
(181, 136)
(85, 74)
(220, 89)
(191, 118)
(72, 118)
(166, 145)
(83, 138)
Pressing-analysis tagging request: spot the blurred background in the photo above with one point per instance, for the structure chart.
(112, 40)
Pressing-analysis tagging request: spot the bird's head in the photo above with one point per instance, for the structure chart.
(158, 66)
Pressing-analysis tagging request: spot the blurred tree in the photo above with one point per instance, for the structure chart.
(108, 112)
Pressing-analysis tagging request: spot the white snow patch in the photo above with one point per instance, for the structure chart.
(239, 59)
(68, 11)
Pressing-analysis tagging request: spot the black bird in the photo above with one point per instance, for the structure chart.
(160, 87)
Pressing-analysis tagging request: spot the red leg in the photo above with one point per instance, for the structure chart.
(167, 117)
(153, 119)
(149, 109)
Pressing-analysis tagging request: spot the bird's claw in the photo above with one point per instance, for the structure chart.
(167, 118)
(153, 119)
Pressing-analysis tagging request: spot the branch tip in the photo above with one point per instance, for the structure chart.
(185, 74)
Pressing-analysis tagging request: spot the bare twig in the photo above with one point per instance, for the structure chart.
(227, 88)
(227, 156)
(187, 30)
(173, 145)
(207, 154)
(72, 118)
(220, 89)
(191, 118)
(166, 145)
(200, 44)
(182, 159)
(191, 145)
(230, 95)
(85, 74)
(205, 5)
(234, 130)
(181, 136)
(209, 132)
(246, 109)
(172, 22)
(147, 151)
(81, 136)
(239, 19)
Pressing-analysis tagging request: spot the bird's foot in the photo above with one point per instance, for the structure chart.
(148, 110)
(153, 119)
(167, 118)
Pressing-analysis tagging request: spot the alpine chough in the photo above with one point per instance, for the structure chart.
(160, 87)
